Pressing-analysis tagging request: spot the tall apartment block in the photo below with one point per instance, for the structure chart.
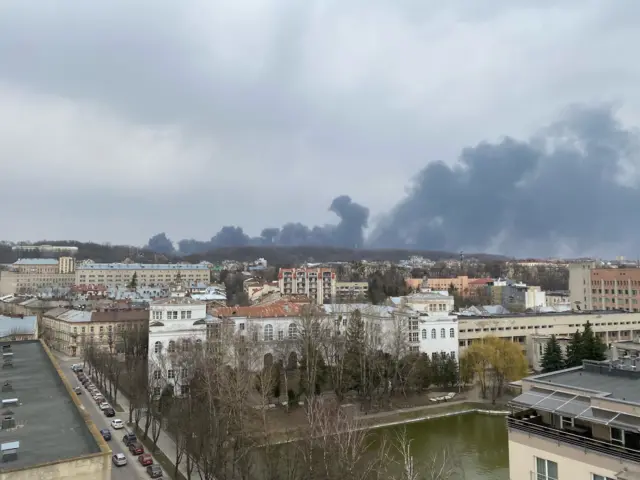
(580, 285)
(578, 423)
(319, 284)
(615, 289)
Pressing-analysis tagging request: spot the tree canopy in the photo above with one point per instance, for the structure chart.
(553, 358)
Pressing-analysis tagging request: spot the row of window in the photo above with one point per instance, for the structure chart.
(171, 315)
(548, 470)
(613, 291)
(443, 333)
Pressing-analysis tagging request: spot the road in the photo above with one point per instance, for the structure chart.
(132, 471)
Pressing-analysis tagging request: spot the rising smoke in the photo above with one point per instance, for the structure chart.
(572, 189)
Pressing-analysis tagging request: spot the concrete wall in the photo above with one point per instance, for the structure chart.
(573, 462)
(91, 467)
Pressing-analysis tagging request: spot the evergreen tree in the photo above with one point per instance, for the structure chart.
(552, 359)
(592, 346)
(575, 351)
(133, 284)
(355, 350)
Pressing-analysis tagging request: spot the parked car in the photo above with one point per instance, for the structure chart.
(76, 366)
(78, 391)
(106, 434)
(99, 399)
(129, 438)
(154, 471)
(136, 448)
(104, 406)
(117, 424)
(145, 459)
(119, 460)
(109, 412)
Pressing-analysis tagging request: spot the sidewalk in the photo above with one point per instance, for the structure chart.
(165, 443)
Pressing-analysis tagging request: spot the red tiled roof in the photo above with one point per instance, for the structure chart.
(280, 309)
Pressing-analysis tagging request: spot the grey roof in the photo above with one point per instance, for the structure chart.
(50, 426)
(36, 261)
(17, 324)
(613, 385)
(141, 266)
(365, 308)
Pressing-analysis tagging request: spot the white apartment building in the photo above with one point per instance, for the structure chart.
(120, 274)
(319, 284)
(30, 275)
(432, 303)
(578, 423)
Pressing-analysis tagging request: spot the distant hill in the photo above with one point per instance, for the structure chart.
(279, 255)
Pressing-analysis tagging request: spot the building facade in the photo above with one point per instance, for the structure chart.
(580, 285)
(120, 274)
(319, 284)
(29, 275)
(69, 331)
(460, 284)
(351, 291)
(176, 324)
(578, 423)
(615, 289)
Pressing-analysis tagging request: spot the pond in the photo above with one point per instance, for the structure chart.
(477, 441)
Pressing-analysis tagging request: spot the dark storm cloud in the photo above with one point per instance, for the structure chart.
(572, 186)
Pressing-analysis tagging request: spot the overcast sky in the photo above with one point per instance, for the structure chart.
(122, 119)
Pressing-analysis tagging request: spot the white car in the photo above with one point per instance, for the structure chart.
(119, 460)
(104, 406)
(117, 424)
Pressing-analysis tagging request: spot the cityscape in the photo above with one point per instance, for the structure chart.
(319, 240)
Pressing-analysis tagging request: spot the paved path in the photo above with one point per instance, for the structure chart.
(132, 471)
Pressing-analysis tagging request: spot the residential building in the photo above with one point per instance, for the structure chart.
(257, 289)
(578, 423)
(615, 289)
(44, 432)
(580, 285)
(426, 302)
(318, 283)
(18, 327)
(46, 249)
(69, 331)
(29, 275)
(515, 296)
(459, 283)
(120, 274)
(351, 291)
(555, 298)
(478, 286)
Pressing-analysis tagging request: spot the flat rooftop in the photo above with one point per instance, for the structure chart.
(49, 426)
(616, 384)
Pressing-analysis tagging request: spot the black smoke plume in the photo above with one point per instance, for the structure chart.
(348, 233)
(571, 189)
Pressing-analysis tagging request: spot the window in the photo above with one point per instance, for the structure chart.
(293, 330)
(241, 326)
(186, 344)
(268, 332)
(198, 344)
(315, 329)
(184, 389)
(156, 391)
(413, 336)
(157, 347)
(452, 353)
(452, 333)
(156, 374)
(184, 372)
(171, 374)
(157, 315)
(443, 333)
(424, 333)
(566, 422)
(172, 346)
(546, 469)
(595, 476)
(617, 436)
(433, 333)
(280, 334)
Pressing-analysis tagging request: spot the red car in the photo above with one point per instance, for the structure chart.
(145, 459)
(136, 448)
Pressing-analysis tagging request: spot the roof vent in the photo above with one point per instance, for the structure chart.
(7, 387)
(9, 401)
(8, 422)
(9, 451)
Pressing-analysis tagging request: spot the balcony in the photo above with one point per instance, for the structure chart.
(534, 426)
